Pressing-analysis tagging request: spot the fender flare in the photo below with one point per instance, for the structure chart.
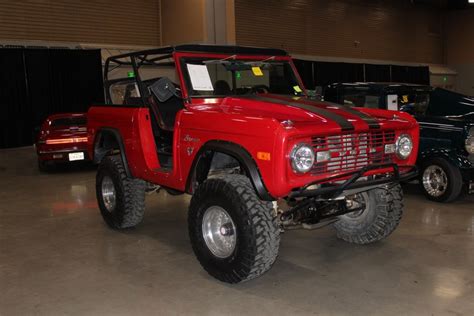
(241, 155)
(451, 156)
(99, 155)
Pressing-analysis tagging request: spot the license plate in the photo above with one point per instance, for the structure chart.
(76, 156)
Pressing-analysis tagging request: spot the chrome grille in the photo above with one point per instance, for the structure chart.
(352, 151)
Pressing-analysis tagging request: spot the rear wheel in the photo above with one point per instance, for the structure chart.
(379, 214)
(233, 233)
(440, 180)
(121, 198)
(43, 165)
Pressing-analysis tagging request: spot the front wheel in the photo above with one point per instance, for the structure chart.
(440, 180)
(379, 213)
(234, 234)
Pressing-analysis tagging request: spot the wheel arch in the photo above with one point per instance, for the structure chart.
(451, 156)
(202, 162)
(108, 140)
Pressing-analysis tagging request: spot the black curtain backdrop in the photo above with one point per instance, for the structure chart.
(327, 72)
(377, 73)
(35, 83)
(405, 74)
(13, 99)
(305, 70)
(314, 73)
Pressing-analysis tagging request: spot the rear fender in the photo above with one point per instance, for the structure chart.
(124, 130)
(108, 140)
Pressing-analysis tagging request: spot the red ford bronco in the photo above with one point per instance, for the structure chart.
(233, 127)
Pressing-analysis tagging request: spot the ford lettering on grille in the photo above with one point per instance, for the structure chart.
(352, 151)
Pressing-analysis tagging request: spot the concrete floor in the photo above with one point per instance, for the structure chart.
(57, 257)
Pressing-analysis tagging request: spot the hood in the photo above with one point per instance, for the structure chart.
(451, 105)
(303, 111)
(465, 118)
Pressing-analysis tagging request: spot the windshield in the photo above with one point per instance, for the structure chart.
(414, 100)
(69, 121)
(415, 103)
(221, 78)
(361, 96)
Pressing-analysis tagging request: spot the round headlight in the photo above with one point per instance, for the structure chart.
(302, 158)
(470, 144)
(404, 146)
(470, 141)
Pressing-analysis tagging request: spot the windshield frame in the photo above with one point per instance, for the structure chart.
(180, 59)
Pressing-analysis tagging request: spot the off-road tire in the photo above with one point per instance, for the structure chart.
(384, 209)
(130, 194)
(454, 178)
(258, 235)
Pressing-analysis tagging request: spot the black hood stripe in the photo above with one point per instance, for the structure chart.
(372, 122)
(341, 121)
(369, 120)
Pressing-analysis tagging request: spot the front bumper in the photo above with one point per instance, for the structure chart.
(351, 185)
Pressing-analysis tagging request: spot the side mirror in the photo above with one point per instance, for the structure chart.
(311, 93)
(314, 95)
(164, 89)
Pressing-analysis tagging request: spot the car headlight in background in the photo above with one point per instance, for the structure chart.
(404, 146)
(470, 141)
(302, 158)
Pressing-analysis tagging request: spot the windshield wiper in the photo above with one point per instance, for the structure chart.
(216, 61)
(259, 63)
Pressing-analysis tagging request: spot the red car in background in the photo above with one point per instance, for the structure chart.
(62, 138)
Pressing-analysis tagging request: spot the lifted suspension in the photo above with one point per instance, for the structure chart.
(311, 213)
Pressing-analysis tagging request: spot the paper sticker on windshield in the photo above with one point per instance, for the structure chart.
(200, 79)
(297, 89)
(257, 71)
(392, 102)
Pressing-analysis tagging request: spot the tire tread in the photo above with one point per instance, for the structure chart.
(388, 214)
(133, 194)
(262, 225)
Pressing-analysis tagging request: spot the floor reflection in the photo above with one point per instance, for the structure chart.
(430, 216)
(449, 283)
(79, 199)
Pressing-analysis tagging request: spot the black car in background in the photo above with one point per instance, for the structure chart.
(446, 118)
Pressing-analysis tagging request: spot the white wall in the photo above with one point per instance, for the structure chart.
(465, 78)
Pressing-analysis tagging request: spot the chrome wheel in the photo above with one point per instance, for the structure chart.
(218, 231)
(435, 180)
(108, 193)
